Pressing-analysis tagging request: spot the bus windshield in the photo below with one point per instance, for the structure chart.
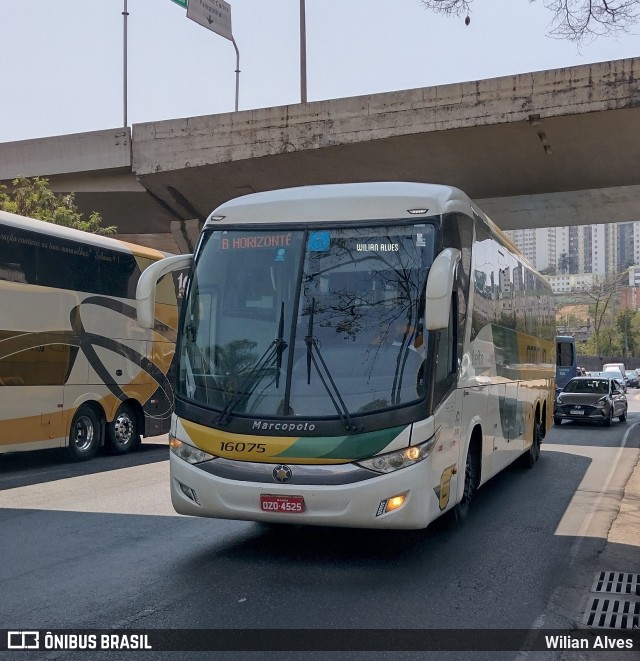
(307, 323)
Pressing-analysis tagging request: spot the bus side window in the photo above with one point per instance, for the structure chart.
(446, 355)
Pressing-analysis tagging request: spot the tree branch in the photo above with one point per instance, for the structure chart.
(574, 20)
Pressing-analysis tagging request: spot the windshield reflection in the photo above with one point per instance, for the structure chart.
(312, 324)
(366, 294)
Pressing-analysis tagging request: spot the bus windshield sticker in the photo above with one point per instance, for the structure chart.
(377, 247)
(319, 241)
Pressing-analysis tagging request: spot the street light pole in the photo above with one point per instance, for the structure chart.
(237, 71)
(303, 53)
(125, 13)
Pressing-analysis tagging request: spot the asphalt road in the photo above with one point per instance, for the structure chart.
(97, 545)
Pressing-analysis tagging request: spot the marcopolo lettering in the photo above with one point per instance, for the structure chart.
(283, 426)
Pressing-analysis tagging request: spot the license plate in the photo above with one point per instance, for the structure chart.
(289, 504)
(577, 412)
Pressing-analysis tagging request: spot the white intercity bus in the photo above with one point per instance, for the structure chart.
(362, 355)
(76, 369)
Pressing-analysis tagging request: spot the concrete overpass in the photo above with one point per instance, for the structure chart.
(558, 147)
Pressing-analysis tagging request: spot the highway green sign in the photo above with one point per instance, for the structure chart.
(182, 3)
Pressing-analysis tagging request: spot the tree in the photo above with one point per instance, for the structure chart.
(564, 263)
(635, 332)
(35, 199)
(574, 20)
(602, 296)
(624, 323)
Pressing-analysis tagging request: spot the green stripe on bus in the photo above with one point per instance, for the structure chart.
(354, 446)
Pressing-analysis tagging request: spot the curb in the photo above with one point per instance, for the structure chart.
(625, 528)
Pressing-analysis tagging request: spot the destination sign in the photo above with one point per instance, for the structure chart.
(256, 241)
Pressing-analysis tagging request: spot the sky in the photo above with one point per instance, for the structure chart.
(63, 59)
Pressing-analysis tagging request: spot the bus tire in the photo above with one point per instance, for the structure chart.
(460, 511)
(84, 435)
(532, 455)
(123, 434)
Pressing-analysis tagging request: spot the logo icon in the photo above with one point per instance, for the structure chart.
(23, 640)
(282, 474)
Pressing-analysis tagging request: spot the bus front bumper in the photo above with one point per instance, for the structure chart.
(196, 492)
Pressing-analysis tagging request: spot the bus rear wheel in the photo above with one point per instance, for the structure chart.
(84, 435)
(532, 455)
(123, 434)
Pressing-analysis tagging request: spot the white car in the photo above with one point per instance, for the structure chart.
(616, 373)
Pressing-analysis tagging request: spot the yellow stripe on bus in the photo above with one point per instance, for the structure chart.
(246, 447)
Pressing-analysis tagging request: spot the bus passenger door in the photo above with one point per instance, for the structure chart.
(497, 440)
(31, 401)
(54, 359)
(35, 398)
(495, 407)
(511, 423)
(505, 424)
(159, 406)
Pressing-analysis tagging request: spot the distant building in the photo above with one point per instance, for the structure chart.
(604, 248)
(630, 298)
(568, 283)
(538, 245)
(634, 276)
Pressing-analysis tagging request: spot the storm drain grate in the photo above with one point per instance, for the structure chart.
(608, 612)
(615, 582)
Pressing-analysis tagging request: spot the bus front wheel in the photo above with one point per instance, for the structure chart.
(123, 434)
(461, 509)
(84, 435)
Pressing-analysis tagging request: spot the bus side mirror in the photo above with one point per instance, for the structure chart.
(439, 288)
(146, 288)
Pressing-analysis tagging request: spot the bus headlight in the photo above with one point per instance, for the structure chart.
(187, 452)
(393, 461)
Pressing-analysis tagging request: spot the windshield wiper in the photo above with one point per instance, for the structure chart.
(274, 350)
(326, 378)
(401, 361)
(308, 339)
(281, 344)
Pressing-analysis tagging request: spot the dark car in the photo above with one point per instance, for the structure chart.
(597, 399)
(633, 378)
